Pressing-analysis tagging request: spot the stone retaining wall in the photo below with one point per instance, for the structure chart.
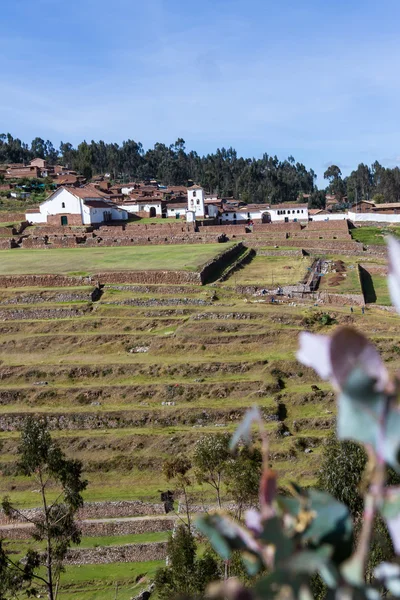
(42, 243)
(227, 229)
(279, 252)
(72, 219)
(6, 231)
(375, 269)
(120, 419)
(99, 529)
(117, 554)
(341, 299)
(8, 244)
(42, 230)
(102, 510)
(216, 264)
(16, 281)
(272, 227)
(325, 225)
(9, 217)
(141, 277)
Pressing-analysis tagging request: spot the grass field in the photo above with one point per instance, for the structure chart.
(270, 271)
(210, 362)
(85, 261)
(341, 283)
(374, 235)
(104, 582)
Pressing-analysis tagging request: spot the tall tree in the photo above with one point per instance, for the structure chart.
(176, 470)
(186, 575)
(336, 183)
(210, 459)
(42, 460)
(243, 478)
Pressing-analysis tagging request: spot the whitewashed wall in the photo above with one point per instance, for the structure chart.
(243, 216)
(212, 210)
(135, 208)
(54, 206)
(172, 212)
(36, 217)
(373, 217)
(332, 217)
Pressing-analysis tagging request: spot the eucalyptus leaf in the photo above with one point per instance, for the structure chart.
(309, 561)
(243, 432)
(349, 349)
(273, 534)
(390, 510)
(389, 575)
(360, 409)
(226, 535)
(271, 586)
(394, 271)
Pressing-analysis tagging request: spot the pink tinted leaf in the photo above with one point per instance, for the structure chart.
(314, 352)
(244, 430)
(268, 488)
(350, 349)
(394, 271)
(390, 510)
(393, 524)
(253, 520)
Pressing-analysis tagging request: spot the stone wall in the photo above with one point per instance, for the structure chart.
(275, 227)
(11, 217)
(101, 510)
(15, 281)
(6, 231)
(155, 228)
(40, 230)
(326, 225)
(375, 269)
(226, 229)
(7, 244)
(341, 299)
(336, 246)
(141, 277)
(279, 252)
(218, 263)
(72, 219)
(68, 241)
(117, 554)
(124, 526)
(119, 419)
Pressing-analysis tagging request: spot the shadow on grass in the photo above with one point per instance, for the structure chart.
(367, 286)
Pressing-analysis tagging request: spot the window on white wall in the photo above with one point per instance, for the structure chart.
(63, 205)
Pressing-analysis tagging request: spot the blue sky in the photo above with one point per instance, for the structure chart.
(317, 79)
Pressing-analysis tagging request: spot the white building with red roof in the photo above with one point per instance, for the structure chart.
(77, 206)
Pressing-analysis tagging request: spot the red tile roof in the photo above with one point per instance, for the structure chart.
(84, 192)
(97, 204)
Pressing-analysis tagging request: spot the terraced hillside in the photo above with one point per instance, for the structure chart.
(140, 374)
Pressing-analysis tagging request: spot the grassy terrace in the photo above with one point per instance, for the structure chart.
(210, 361)
(271, 271)
(374, 235)
(85, 261)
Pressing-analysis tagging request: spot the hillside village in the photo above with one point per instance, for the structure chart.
(200, 300)
(140, 317)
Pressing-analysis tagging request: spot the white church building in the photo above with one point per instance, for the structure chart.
(76, 206)
(200, 208)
